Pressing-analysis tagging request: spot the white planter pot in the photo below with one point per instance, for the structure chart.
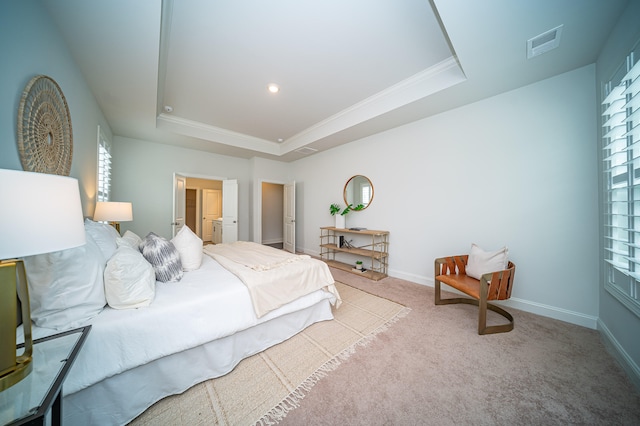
(340, 221)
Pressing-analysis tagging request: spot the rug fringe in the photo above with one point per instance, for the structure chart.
(292, 401)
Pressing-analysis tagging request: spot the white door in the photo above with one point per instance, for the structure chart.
(210, 212)
(229, 211)
(179, 203)
(290, 217)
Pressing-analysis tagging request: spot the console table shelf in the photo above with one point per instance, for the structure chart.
(377, 252)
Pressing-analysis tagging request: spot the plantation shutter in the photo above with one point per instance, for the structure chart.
(104, 167)
(621, 156)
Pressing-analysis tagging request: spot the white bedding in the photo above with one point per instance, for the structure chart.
(184, 315)
(273, 277)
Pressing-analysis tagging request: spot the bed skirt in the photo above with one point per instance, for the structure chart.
(119, 399)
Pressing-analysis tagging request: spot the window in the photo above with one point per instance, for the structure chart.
(621, 157)
(365, 194)
(104, 167)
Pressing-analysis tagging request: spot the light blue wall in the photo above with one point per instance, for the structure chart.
(518, 169)
(620, 327)
(143, 174)
(30, 45)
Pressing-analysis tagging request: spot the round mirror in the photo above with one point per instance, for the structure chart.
(358, 190)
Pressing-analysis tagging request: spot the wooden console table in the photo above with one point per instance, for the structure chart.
(377, 252)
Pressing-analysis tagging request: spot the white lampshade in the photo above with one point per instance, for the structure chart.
(111, 211)
(40, 213)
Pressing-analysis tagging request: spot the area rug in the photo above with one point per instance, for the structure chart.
(263, 388)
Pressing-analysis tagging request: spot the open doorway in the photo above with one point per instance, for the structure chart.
(203, 213)
(272, 214)
(217, 206)
(277, 210)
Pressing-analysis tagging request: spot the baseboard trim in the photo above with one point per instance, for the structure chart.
(617, 351)
(273, 241)
(549, 311)
(554, 312)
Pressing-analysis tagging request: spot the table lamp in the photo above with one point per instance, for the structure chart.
(113, 212)
(40, 213)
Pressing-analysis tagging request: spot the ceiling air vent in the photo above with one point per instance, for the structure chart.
(306, 150)
(544, 42)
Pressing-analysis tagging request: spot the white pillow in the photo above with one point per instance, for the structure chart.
(129, 280)
(104, 235)
(130, 239)
(480, 262)
(66, 287)
(163, 256)
(189, 245)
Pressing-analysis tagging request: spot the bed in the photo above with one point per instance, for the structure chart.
(195, 328)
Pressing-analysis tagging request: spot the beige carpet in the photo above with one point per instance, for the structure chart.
(265, 387)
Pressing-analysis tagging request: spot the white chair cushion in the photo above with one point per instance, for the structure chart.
(480, 262)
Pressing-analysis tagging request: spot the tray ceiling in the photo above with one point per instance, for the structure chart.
(195, 73)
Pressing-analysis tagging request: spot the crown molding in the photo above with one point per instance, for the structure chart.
(207, 132)
(431, 80)
(438, 77)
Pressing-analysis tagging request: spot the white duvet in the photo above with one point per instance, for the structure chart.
(207, 304)
(274, 277)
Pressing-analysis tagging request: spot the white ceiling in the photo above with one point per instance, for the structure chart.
(346, 68)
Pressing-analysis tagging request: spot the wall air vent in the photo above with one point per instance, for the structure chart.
(306, 150)
(544, 42)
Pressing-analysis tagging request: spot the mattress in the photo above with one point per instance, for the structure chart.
(195, 329)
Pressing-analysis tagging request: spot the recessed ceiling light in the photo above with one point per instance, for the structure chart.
(274, 88)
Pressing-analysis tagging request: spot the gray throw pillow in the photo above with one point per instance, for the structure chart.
(163, 256)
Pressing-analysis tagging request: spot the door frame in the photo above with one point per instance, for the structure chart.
(198, 230)
(195, 176)
(257, 211)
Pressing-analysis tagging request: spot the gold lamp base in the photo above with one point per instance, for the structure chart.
(13, 282)
(18, 372)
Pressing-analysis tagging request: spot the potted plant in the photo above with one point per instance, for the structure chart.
(340, 213)
(359, 264)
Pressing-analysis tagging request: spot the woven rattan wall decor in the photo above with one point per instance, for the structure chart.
(45, 136)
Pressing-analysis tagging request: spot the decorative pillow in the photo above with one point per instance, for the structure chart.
(66, 287)
(189, 245)
(163, 256)
(129, 239)
(129, 280)
(480, 262)
(104, 235)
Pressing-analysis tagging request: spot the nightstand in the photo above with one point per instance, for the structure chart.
(29, 401)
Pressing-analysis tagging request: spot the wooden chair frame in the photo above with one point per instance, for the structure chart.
(492, 286)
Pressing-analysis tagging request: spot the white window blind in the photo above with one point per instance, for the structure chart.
(104, 167)
(621, 156)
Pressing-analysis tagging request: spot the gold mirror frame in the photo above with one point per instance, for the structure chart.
(355, 191)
